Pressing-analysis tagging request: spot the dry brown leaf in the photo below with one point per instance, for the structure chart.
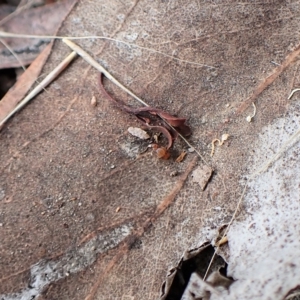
(44, 20)
(74, 158)
(6, 10)
(44, 83)
(206, 290)
(201, 175)
(181, 156)
(22, 86)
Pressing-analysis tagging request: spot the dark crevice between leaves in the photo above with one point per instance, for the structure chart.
(197, 262)
(7, 80)
(293, 294)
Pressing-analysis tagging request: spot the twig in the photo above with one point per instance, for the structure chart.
(96, 65)
(290, 58)
(48, 79)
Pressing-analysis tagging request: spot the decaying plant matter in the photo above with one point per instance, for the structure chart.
(153, 118)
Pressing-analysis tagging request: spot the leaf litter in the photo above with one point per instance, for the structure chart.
(23, 84)
(149, 116)
(45, 82)
(153, 118)
(45, 19)
(181, 129)
(11, 101)
(156, 119)
(178, 122)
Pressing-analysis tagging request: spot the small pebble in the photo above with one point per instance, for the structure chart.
(249, 119)
(94, 101)
(191, 149)
(138, 132)
(173, 173)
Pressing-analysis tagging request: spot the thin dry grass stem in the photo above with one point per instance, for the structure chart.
(47, 80)
(289, 59)
(227, 229)
(292, 93)
(289, 143)
(15, 35)
(15, 13)
(249, 118)
(96, 65)
(191, 146)
(13, 53)
(7, 18)
(225, 136)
